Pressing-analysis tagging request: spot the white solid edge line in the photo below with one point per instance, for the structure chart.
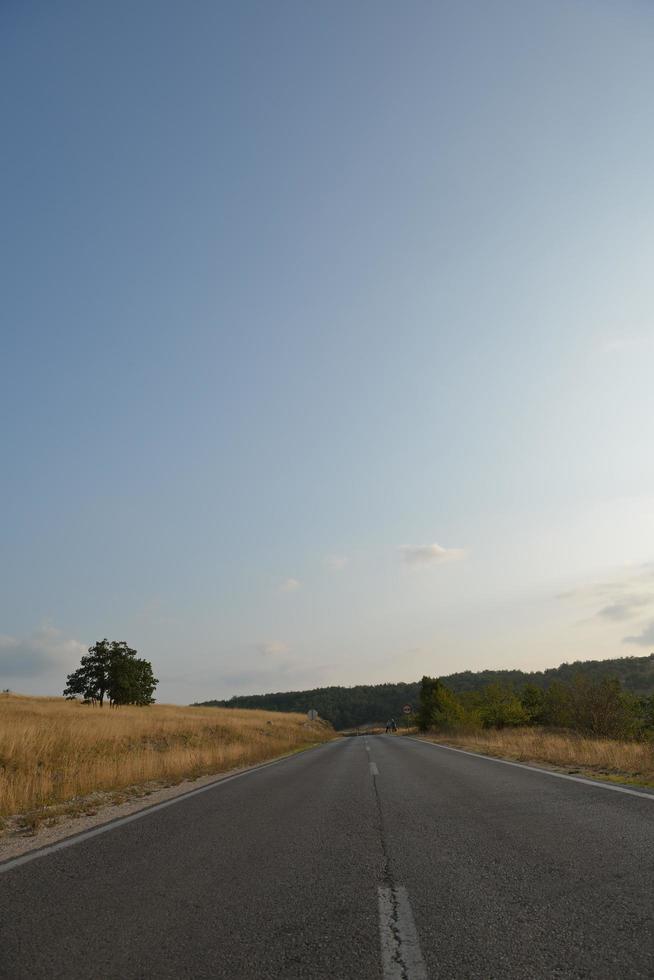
(543, 772)
(374, 771)
(104, 828)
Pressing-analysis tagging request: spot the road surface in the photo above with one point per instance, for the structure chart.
(371, 857)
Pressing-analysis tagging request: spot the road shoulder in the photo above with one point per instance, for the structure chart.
(580, 774)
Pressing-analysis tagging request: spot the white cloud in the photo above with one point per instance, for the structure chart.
(42, 651)
(290, 585)
(336, 562)
(430, 554)
(273, 648)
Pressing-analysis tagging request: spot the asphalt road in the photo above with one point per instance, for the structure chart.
(370, 857)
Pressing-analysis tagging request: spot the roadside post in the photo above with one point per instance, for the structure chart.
(406, 711)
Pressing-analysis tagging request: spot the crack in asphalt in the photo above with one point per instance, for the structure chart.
(400, 944)
(388, 881)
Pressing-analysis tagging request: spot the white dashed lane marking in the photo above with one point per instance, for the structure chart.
(400, 946)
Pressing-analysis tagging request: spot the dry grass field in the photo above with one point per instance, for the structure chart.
(603, 757)
(53, 751)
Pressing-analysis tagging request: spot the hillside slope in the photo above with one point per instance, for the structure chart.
(82, 749)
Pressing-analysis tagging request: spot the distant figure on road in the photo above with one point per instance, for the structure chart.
(393, 725)
(388, 727)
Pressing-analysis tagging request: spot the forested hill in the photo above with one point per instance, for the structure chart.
(366, 703)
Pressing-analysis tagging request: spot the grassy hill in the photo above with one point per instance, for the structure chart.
(82, 750)
(345, 707)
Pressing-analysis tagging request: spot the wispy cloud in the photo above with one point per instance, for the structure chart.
(621, 345)
(336, 562)
(626, 607)
(273, 648)
(643, 639)
(38, 653)
(276, 677)
(593, 591)
(430, 554)
(624, 598)
(290, 585)
(153, 613)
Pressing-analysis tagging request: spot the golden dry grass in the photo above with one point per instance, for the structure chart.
(605, 757)
(52, 750)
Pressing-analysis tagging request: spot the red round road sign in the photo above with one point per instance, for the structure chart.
(407, 709)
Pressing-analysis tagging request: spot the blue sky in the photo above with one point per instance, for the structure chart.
(327, 338)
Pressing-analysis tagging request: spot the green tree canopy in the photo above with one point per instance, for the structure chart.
(440, 707)
(500, 707)
(112, 669)
(532, 700)
(131, 681)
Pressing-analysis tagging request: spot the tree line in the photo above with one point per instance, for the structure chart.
(348, 707)
(593, 707)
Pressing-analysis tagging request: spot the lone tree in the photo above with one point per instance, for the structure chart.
(112, 669)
